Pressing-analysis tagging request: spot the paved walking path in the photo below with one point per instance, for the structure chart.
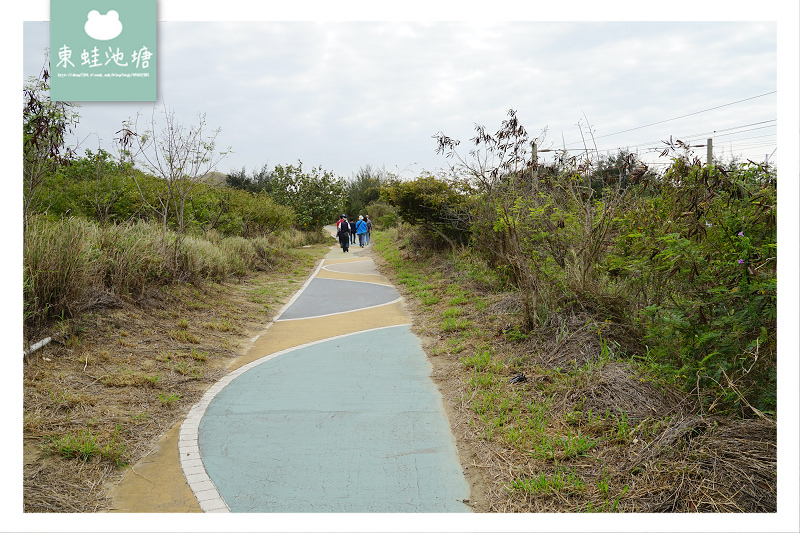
(332, 410)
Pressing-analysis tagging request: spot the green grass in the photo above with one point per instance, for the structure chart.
(609, 505)
(169, 400)
(85, 445)
(482, 361)
(183, 368)
(455, 345)
(198, 355)
(574, 445)
(623, 432)
(125, 377)
(460, 299)
(181, 335)
(451, 324)
(560, 481)
(452, 312)
(429, 298)
(526, 417)
(81, 445)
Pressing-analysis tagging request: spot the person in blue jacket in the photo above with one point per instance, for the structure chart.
(361, 230)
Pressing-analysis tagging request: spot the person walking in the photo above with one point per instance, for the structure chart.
(343, 233)
(352, 231)
(369, 227)
(361, 230)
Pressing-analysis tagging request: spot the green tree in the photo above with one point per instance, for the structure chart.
(363, 189)
(257, 180)
(45, 124)
(618, 172)
(100, 187)
(178, 155)
(238, 179)
(438, 205)
(316, 197)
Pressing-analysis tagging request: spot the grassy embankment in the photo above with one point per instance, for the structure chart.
(141, 333)
(591, 428)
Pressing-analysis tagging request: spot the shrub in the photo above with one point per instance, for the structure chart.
(69, 262)
(267, 251)
(699, 256)
(383, 215)
(437, 205)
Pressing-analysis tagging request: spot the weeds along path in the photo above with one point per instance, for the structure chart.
(331, 409)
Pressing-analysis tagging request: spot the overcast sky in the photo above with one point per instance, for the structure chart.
(341, 95)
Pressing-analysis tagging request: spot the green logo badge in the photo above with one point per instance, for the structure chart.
(103, 50)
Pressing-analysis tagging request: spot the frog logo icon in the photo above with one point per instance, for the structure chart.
(103, 27)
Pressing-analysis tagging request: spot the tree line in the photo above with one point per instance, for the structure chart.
(114, 224)
(684, 260)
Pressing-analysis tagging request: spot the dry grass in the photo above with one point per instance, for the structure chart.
(116, 379)
(590, 429)
(126, 375)
(74, 265)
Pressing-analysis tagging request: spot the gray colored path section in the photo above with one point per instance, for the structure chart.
(327, 296)
(353, 424)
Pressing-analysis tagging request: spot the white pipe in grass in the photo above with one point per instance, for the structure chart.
(40, 344)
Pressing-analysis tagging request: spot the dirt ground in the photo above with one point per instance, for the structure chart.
(115, 382)
(653, 447)
(124, 377)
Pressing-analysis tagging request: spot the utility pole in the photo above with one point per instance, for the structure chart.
(709, 152)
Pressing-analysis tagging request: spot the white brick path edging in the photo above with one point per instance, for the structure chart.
(204, 489)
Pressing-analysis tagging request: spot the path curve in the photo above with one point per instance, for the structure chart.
(334, 412)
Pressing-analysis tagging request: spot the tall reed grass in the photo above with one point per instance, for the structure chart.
(70, 262)
(57, 266)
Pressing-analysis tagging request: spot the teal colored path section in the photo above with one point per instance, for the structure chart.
(353, 424)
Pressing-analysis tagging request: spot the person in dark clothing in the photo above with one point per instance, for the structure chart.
(369, 228)
(352, 231)
(343, 233)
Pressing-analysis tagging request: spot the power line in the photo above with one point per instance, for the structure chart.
(648, 148)
(695, 136)
(683, 116)
(689, 115)
(753, 137)
(740, 131)
(752, 145)
(718, 132)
